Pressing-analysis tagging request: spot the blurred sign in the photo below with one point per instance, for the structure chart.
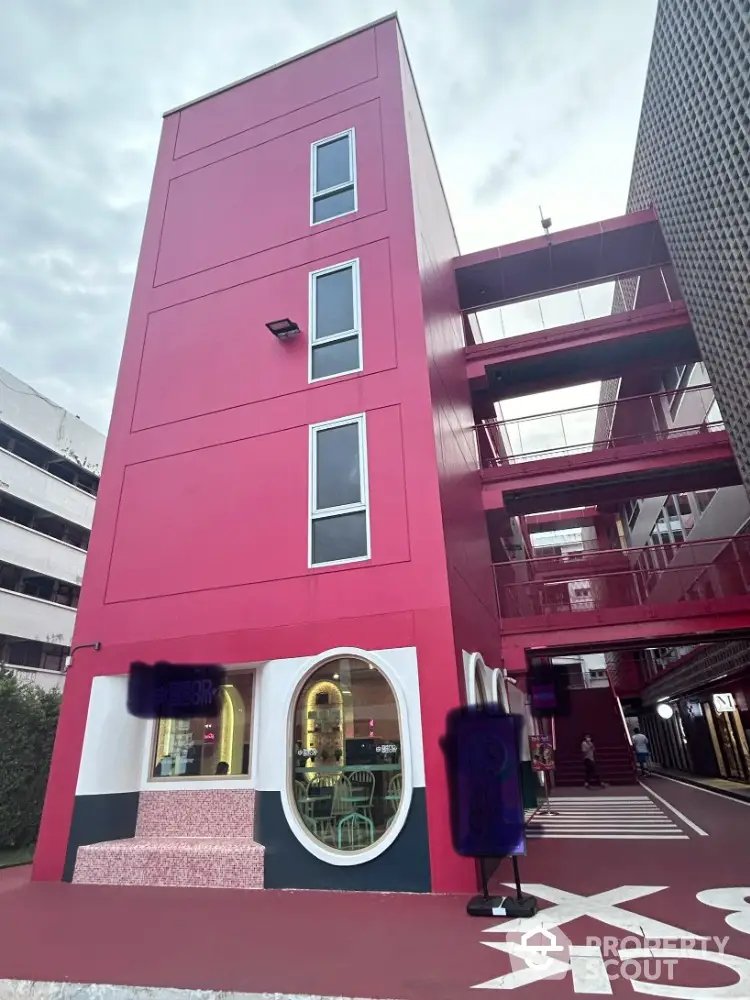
(542, 753)
(548, 689)
(481, 748)
(174, 690)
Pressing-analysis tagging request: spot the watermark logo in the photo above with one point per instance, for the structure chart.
(547, 953)
(545, 950)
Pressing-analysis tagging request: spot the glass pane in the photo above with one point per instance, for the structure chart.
(683, 503)
(336, 358)
(337, 468)
(704, 498)
(340, 537)
(346, 755)
(672, 378)
(193, 748)
(332, 205)
(332, 164)
(334, 303)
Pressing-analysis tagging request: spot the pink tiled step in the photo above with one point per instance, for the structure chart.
(202, 839)
(211, 813)
(200, 863)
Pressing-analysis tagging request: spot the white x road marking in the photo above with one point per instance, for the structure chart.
(602, 906)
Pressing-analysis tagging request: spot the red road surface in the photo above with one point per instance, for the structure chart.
(406, 947)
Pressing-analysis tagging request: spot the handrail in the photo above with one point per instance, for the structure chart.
(634, 551)
(715, 568)
(561, 331)
(596, 447)
(594, 406)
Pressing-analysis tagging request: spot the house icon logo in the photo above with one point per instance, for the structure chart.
(545, 949)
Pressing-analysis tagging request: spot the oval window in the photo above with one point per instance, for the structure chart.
(346, 758)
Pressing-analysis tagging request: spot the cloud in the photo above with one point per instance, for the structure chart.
(521, 99)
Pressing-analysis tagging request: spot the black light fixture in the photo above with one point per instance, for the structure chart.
(284, 329)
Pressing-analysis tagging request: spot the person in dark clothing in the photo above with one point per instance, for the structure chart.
(589, 762)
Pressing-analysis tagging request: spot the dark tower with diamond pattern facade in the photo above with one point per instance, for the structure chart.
(692, 162)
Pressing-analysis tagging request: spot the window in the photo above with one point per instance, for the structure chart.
(703, 498)
(677, 509)
(339, 517)
(714, 420)
(335, 321)
(346, 755)
(675, 381)
(334, 182)
(208, 748)
(632, 510)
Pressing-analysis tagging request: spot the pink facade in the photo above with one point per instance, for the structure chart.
(200, 546)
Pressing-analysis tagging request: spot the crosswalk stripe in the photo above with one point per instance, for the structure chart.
(593, 820)
(606, 836)
(640, 814)
(606, 798)
(602, 827)
(593, 809)
(613, 818)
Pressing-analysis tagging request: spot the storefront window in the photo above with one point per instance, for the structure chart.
(208, 748)
(346, 757)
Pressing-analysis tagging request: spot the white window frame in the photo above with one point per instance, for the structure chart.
(316, 194)
(363, 506)
(205, 783)
(313, 342)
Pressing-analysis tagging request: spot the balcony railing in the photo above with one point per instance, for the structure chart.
(41, 489)
(717, 568)
(573, 432)
(570, 550)
(32, 618)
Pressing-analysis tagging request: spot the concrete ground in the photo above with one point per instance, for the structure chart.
(617, 879)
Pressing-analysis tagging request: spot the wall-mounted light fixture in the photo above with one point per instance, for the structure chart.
(664, 711)
(283, 329)
(96, 646)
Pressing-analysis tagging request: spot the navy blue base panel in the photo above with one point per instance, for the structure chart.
(404, 867)
(97, 818)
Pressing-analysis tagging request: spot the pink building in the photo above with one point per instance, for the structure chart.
(298, 509)
(307, 480)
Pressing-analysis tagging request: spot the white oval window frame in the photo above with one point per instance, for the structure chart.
(500, 689)
(477, 672)
(319, 850)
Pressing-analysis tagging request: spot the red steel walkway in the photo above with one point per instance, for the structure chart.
(405, 947)
(691, 460)
(589, 351)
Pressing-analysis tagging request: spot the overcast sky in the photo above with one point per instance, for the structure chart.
(528, 102)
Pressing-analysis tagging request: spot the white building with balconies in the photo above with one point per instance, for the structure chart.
(50, 462)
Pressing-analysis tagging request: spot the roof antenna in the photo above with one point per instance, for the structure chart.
(546, 221)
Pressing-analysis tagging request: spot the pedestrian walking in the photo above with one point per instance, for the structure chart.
(640, 745)
(588, 750)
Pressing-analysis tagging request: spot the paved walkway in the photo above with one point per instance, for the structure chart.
(737, 789)
(621, 893)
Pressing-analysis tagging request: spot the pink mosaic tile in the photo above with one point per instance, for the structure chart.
(200, 839)
(181, 861)
(197, 813)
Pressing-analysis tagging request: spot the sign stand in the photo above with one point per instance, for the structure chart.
(520, 905)
(546, 811)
